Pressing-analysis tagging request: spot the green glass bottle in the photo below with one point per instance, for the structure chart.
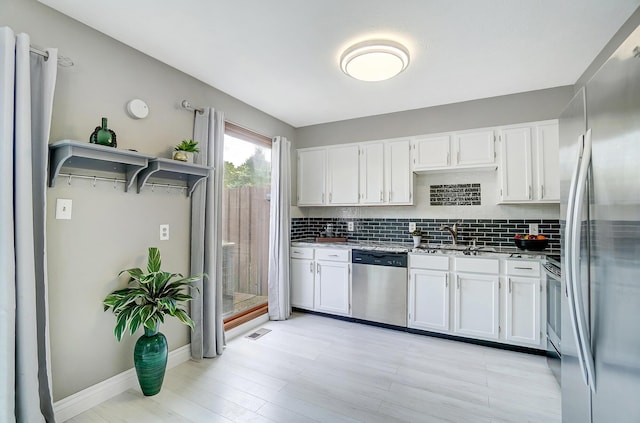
(103, 135)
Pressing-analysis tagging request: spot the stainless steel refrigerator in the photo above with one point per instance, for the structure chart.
(600, 217)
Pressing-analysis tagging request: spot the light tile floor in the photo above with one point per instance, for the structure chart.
(317, 369)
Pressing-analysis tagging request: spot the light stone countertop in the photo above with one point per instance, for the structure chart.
(508, 252)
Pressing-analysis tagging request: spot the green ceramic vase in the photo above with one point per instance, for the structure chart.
(150, 359)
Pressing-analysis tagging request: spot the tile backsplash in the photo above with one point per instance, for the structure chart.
(455, 195)
(487, 232)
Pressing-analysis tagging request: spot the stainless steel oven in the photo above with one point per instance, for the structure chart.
(553, 271)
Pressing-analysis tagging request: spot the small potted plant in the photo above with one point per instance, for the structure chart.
(185, 151)
(417, 237)
(145, 302)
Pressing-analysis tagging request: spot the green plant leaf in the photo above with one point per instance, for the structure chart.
(184, 317)
(153, 263)
(150, 296)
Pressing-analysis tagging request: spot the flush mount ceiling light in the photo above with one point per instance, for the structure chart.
(374, 60)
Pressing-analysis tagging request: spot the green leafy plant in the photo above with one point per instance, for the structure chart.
(190, 146)
(149, 297)
(416, 232)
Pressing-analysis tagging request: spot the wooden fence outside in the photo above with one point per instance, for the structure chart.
(245, 222)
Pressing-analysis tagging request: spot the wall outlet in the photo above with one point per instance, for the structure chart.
(164, 232)
(63, 208)
(412, 226)
(350, 227)
(533, 229)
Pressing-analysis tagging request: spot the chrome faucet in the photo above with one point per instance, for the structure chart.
(453, 230)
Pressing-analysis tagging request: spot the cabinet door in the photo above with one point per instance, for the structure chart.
(547, 142)
(398, 171)
(432, 152)
(372, 173)
(429, 300)
(332, 287)
(311, 176)
(302, 283)
(476, 307)
(343, 174)
(515, 161)
(523, 310)
(474, 148)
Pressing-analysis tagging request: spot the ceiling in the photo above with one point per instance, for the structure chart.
(281, 56)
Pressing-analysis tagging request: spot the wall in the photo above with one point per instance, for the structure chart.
(495, 111)
(111, 230)
(625, 30)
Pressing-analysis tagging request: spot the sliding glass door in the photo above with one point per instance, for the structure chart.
(245, 222)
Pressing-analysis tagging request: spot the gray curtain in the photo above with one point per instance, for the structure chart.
(280, 229)
(207, 340)
(27, 84)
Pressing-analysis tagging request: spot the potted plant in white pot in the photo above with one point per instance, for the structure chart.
(185, 151)
(145, 302)
(417, 237)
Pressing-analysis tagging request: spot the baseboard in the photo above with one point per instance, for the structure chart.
(246, 327)
(82, 401)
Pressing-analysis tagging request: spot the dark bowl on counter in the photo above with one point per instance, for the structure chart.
(531, 244)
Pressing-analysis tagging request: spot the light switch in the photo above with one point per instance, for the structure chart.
(63, 208)
(412, 226)
(533, 229)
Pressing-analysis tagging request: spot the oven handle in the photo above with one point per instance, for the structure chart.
(550, 274)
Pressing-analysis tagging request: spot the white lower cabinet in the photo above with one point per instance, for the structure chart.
(332, 287)
(429, 292)
(429, 299)
(523, 295)
(321, 279)
(302, 276)
(476, 306)
(490, 298)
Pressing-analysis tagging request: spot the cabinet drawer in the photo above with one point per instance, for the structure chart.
(477, 265)
(302, 252)
(523, 268)
(332, 254)
(422, 261)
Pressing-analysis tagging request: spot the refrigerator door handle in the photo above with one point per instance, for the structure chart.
(569, 256)
(576, 223)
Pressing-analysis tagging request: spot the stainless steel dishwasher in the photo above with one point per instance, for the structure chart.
(379, 287)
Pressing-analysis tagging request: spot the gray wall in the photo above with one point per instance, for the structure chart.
(625, 30)
(504, 110)
(111, 230)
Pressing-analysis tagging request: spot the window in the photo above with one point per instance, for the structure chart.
(245, 223)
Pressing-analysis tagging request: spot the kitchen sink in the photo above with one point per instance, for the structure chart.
(448, 248)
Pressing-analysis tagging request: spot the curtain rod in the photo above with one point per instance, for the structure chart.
(187, 106)
(62, 60)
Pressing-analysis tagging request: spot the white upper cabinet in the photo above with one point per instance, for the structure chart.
(515, 162)
(454, 151)
(529, 163)
(474, 148)
(385, 173)
(548, 166)
(372, 172)
(342, 175)
(312, 170)
(399, 178)
(431, 152)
